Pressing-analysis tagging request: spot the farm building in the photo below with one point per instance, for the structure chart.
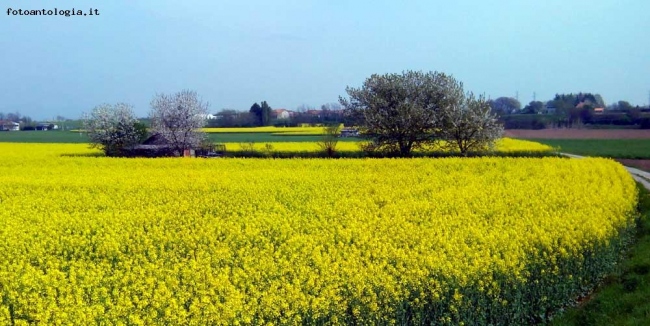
(208, 116)
(154, 146)
(349, 132)
(9, 126)
(281, 114)
(46, 126)
(158, 146)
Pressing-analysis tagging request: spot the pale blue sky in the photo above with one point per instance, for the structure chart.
(234, 53)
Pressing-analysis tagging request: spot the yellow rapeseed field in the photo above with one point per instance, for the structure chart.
(181, 241)
(504, 145)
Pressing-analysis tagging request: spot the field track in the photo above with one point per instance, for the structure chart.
(639, 164)
(579, 133)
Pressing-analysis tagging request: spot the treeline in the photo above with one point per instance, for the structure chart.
(16, 117)
(264, 115)
(27, 123)
(570, 111)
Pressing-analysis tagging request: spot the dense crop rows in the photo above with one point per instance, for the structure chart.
(190, 241)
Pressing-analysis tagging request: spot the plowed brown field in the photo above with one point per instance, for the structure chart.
(580, 133)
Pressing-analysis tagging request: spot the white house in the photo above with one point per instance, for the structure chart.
(208, 116)
(281, 114)
(349, 132)
(9, 125)
(47, 126)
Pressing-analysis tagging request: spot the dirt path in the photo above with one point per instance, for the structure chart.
(639, 164)
(641, 176)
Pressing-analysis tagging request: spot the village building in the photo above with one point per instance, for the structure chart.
(9, 125)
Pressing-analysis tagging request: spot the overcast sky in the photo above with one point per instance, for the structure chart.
(234, 53)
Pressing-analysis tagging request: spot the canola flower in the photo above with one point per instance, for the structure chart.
(94, 240)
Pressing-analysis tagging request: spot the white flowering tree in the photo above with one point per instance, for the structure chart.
(400, 112)
(178, 118)
(469, 125)
(113, 128)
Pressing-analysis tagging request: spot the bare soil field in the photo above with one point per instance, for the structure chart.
(579, 133)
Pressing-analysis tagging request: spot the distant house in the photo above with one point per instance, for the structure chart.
(599, 110)
(46, 126)
(281, 114)
(208, 116)
(158, 146)
(550, 108)
(9, 125)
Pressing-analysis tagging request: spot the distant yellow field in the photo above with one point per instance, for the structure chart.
(505, 145)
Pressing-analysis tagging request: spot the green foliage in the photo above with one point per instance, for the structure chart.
(265, 114)
(534, 107)
(141, 131)
(262, 114)
(256, 111)
(505, 105)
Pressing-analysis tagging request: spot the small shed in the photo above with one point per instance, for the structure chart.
(154, 146)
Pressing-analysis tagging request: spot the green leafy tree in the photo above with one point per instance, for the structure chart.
(256, 111)
(625, 106)
(504, 105)
(265, 117)
(534, 107)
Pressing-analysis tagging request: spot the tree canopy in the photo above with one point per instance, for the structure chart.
(401, 112)
(534, 107)
(178, 118)
(113, 128)
(261, 113)
(505, 105)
